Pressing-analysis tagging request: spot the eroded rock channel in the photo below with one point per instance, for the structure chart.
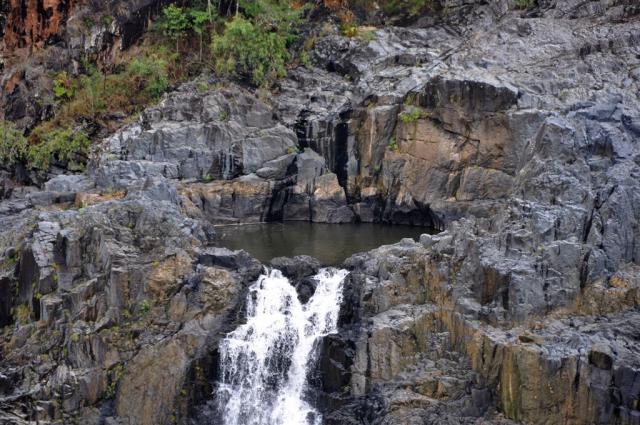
(514, 134)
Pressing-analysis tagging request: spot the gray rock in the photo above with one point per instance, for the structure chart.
(68, 183)
(297, 267)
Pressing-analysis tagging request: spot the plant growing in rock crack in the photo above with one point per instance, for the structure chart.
(145, 306)
(106, 20)
(411, 115)
(203, 87)
(366, 34)
(305, 59)
(115, 375)
(22, 313)
(393, 144)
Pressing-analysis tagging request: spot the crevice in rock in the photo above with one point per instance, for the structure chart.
(6, 298)
(29, 276)
(584, 270)
(342, 155)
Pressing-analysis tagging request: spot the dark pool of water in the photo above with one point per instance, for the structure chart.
(329, 243)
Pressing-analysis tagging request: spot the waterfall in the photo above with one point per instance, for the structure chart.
(265, 362)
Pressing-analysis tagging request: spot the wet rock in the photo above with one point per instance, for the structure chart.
(223, 257)
(297, 267)
(306, 287)
(299, 270)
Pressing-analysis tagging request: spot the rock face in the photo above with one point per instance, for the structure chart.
(516, 130)
(232, 162)
(519, 299)
(420, 344)
(30, 24)
(112, 306)
(41, 37)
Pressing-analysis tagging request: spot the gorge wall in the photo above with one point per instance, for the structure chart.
(515, 130)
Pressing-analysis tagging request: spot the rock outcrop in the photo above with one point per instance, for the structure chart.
(524, 293)
(112, 307)
(420, 344)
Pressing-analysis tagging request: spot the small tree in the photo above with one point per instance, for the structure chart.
(174, 23)
(199, 19)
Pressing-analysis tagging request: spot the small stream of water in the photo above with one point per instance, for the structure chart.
(265, 363)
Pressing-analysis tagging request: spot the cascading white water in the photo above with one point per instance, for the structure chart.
(265, 362)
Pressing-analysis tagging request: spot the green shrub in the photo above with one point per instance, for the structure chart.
(412, 115)
(63, 87)
(106, 20)
(199, 19)
(63, 145)
(114, 376)
(524, 4)
(255, 44)
(145, 307)
(151, 72)
(366, 34)
(13, 145)
(305, 59)
(96, 97)
(349, 30)
(274, 16)
(249, 51)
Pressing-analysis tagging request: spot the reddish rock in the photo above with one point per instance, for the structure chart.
(32, 23)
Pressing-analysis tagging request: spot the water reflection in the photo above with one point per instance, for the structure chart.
(329, 243)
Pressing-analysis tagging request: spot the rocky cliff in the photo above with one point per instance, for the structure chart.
(514, 131)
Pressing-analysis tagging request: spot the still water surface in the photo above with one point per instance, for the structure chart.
(329, 243)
